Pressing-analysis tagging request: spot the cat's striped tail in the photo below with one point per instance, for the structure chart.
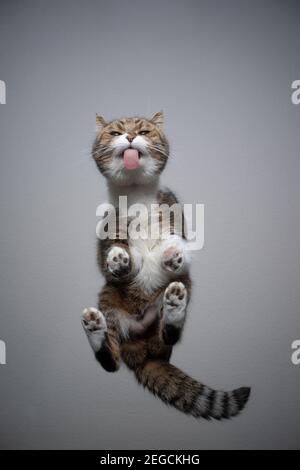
(177, 389)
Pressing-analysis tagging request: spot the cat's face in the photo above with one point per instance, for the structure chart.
(131, 150)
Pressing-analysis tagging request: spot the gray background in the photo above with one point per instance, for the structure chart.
(221, 71)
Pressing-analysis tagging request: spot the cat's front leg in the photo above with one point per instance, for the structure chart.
(118, 261)
(175, 256)
(173, 312)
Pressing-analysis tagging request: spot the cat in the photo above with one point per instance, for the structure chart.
(142, 307)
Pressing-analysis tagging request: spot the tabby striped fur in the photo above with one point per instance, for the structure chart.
(142, 307)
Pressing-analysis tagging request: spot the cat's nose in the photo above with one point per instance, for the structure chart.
(130, 137)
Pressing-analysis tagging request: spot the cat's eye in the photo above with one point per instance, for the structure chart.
(115, 133)
(144, 132)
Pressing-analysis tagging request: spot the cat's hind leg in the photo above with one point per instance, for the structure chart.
(102, 341)
(173, 312)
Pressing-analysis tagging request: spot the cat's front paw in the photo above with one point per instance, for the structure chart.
(174, 303)
(173, 258)
(118, 261)
(94, 324)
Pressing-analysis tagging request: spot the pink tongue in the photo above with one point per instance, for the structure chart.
(131, 159)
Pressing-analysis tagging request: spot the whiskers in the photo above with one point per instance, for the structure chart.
(158, 149)
(101, 151)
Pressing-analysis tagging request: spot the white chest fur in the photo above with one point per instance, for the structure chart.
(146, 241)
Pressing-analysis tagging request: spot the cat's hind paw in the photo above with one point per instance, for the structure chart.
(94, 324)
(174, 303)
(93, 320)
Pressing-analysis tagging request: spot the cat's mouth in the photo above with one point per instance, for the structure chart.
(131, 158)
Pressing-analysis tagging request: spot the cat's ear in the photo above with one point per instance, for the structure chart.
(158, 119)
(100, 122)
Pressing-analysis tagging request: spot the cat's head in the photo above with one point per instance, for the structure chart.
(131, 150)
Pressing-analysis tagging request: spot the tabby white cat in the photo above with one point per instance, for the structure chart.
(142, 307)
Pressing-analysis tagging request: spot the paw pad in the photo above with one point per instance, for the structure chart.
(118, 261)
(173, 258)
(93, 319)
(175, 294)
(174, 303)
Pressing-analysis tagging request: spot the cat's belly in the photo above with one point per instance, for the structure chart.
(147, 248)
(147, 256)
